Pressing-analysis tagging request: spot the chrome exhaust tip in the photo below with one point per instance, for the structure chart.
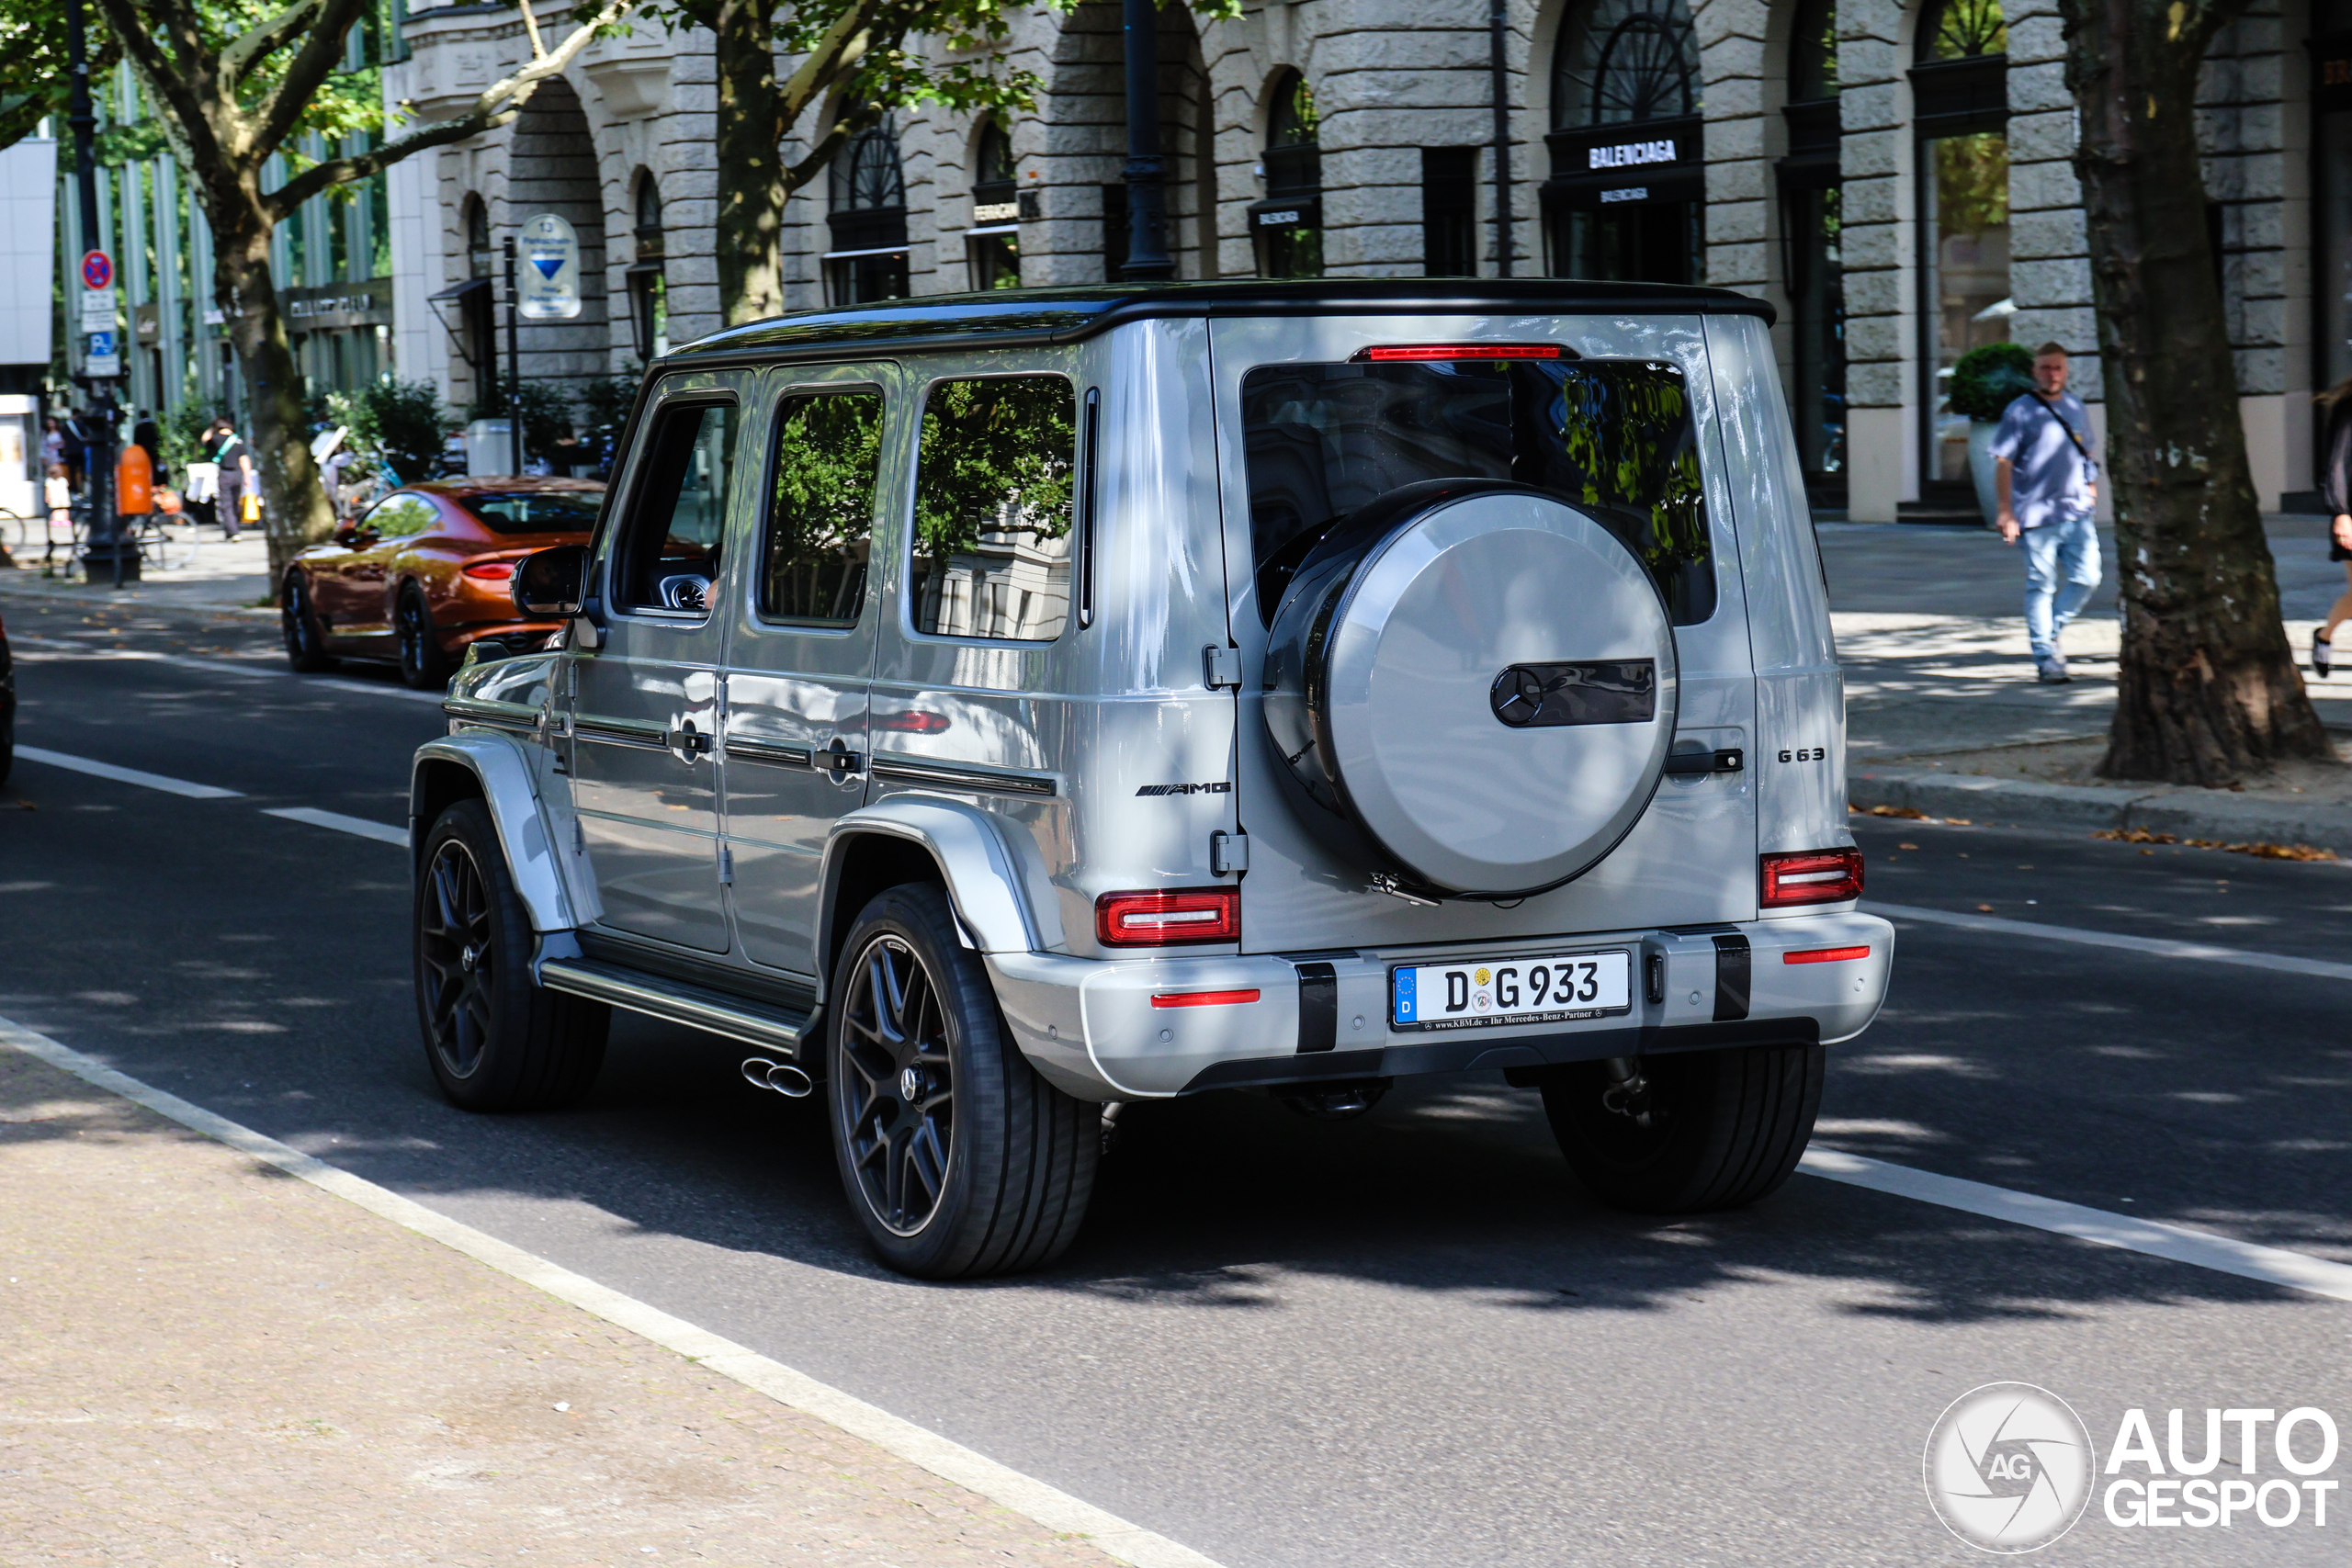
(782, 1076)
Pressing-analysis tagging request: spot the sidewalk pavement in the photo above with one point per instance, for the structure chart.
(225, 575)
(1944, 716)
(208, 1361)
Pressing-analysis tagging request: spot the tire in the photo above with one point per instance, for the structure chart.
(306, 644)
(1009, 1187)
(495, 1038)
(423, 667)
(1726, 1127)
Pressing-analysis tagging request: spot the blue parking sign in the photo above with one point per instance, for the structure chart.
(102, 345)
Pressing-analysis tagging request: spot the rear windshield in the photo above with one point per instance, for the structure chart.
(1612, 436)
(536, 512)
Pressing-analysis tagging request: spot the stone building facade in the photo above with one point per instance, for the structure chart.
(1893, 174)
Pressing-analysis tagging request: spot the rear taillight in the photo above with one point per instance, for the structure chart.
(1202, 999)
(489, 570)
(1812, 876)
(1171, 919)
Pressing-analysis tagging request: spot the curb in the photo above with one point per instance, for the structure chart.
(2168, 808)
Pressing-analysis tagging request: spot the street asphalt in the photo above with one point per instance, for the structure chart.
(1409, 1340)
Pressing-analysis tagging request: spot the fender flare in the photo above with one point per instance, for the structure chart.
(983, 879)
(504, 774)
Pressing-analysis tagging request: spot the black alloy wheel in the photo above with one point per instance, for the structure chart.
(422, 665)
(455, 958)
(957, 1157)
(898, 1084)
(1690, 1132)
(495, 1039)
(305, 647)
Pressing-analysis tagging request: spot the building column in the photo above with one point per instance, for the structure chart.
(1879, 244)
(1744, 135)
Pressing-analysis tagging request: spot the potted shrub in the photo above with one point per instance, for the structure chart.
(1985, 382)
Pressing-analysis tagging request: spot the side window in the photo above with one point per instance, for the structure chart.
(398, 516)
(820, 522)
(666, 557)
(993, 491)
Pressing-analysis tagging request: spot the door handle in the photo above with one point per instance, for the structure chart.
(685, 739)
(840, 760)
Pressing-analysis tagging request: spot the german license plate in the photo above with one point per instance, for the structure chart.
(1482, 992)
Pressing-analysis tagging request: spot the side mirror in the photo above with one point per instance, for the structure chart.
(346, 534)
(551, 583)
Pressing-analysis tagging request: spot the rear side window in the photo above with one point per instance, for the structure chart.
(993, 508)
(820, 522)
(1613, 437)
(667, 555)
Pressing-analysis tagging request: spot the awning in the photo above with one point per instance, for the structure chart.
(876, 251)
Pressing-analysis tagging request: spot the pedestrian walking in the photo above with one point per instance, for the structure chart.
(238, 493)
(2048, 486)
(2335, 488)
(52, 443)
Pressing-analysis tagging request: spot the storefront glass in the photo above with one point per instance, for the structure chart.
(1967, 247)
(1625, 200)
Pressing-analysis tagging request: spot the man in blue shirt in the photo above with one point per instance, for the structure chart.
(2048, 486)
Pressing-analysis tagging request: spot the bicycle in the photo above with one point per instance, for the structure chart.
(158, 549)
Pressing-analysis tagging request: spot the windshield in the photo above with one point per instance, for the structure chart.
(1613, 437)
(536, 512)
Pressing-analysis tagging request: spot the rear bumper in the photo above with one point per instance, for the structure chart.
(1091, 1027)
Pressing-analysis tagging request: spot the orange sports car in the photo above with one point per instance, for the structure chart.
(424, 574)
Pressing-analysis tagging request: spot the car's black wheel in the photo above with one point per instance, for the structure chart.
(496, 1040)
(1694, 1131)
(959, 1159)
(422, 664)
(306, 644)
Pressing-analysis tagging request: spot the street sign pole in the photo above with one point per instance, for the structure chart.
(513, 359)
(105, 532)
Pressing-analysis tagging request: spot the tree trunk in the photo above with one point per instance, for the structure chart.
(295, 510)
(2208, 687)
(751, 189)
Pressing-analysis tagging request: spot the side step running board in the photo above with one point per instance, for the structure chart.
(656, 995)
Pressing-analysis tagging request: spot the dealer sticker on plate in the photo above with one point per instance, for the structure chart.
(1483, 992)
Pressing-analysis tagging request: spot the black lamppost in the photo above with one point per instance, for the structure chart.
(1147, 175)
(513, 361)
(105, 541)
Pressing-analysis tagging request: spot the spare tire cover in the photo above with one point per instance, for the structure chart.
(1479, 678)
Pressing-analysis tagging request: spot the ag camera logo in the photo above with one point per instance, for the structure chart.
(2009, 1467)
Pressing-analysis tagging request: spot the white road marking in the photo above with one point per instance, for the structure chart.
(228, 666)
(127, 775)
(2155, 946)
(1048, 1505)
(2271, 1265)
(383, 833)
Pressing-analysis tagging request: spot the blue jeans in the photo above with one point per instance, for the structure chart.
(2061, 574)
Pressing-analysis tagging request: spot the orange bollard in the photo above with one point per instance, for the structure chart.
(134, 482)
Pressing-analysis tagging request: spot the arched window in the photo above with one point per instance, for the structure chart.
(1812, 258)
(993, 242)
(1629, 61)
(471, 301)
(1289, 223)
(649, 293)
(1963, 30)
(1628, 180)
(868, 258)
(1959, 108)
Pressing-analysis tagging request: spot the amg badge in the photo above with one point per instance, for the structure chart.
(1223, 787)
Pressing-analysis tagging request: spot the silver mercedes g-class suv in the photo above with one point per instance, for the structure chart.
(995, 707)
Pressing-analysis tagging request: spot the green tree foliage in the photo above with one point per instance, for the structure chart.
(232, 85)
(1989, 378)
(34, 80)
(400, 426)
